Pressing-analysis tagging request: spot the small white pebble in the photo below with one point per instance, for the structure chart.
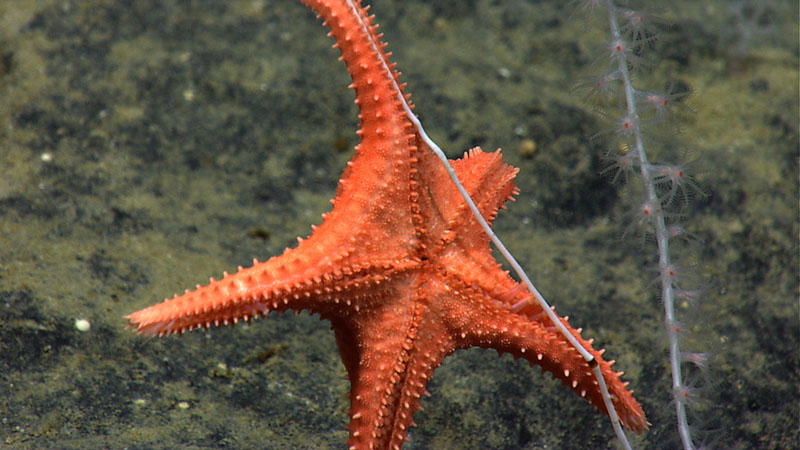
(182, 405)
(82, 325)
(46, 157)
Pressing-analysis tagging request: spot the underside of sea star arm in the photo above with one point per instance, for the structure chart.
(485, 177)
(390, 356)
(489, 182)
(488, 324)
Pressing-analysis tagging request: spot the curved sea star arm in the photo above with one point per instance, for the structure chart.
(381, 178)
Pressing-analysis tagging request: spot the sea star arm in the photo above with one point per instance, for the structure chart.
(490, 183)
(383, 171)
(321, 272)
(487, 321)
(390, 354)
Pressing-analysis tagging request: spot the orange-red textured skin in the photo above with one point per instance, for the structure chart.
(399, 267)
